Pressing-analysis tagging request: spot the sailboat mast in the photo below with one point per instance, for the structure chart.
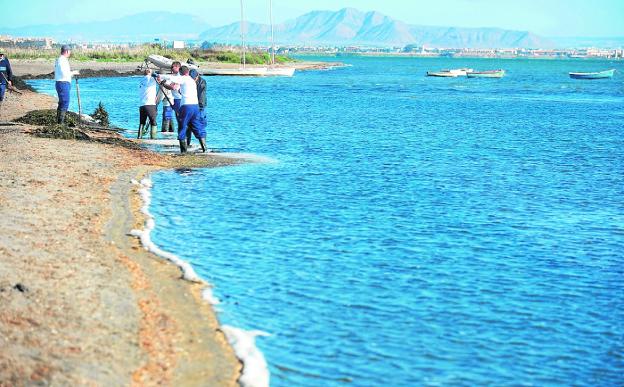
(243, 32)
(272, 34)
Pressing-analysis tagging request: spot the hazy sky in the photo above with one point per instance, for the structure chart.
(544, 17)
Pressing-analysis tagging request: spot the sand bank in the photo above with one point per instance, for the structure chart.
(81, 302)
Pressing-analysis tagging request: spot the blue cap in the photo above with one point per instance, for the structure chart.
(193, 73)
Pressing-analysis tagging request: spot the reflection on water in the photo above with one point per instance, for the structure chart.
(415, 230)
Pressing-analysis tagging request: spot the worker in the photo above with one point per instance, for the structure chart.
(165, 96)
(6, 76)
(188, 118)
(201, 99)
(147, 94)
(62, 76)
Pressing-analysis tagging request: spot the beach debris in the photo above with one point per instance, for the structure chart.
(20, 287)
(101, 115)
(61, 132)
(47, 117)
(19, 83)
(87, 73)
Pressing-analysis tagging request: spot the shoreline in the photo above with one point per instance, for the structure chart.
(158, 329)
(44, 68)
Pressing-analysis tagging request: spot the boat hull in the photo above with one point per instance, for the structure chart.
(280, 72)
(237, 72)
(597, 75)
(486, 74)
(441, 74)
(165, 63)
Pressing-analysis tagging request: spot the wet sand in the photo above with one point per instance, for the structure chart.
(81, 302)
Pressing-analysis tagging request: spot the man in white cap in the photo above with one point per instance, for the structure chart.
(62, 76)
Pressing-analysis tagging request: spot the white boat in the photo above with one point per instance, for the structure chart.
(450, 73)
(460, 72)
(164, 63)
(238, 71)
(280, 71)
(441, 74)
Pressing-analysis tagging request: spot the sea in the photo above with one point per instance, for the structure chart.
(410, 230)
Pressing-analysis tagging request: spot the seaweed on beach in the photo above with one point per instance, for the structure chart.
(47, 118)
(61, 132)
(87, 73)
(101, 115)
(19, 83)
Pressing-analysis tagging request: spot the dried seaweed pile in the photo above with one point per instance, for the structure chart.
(19, 83)
(61, 131)
(47, 118)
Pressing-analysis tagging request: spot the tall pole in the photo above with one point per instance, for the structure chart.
(243, 32)
(272, 34)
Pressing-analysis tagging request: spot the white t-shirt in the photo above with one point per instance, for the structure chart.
(147, 90)
(62, 72)
(188, 88)
(176, 94)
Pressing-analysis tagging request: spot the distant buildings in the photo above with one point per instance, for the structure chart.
(37, 43)
(409, 50)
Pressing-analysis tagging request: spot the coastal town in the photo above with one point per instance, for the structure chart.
(47, 43)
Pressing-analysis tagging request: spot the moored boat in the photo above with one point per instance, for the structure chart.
(461, 72)
(594, 75)
(442, 74)
(486, 74)
(449, 73)
(238, 71)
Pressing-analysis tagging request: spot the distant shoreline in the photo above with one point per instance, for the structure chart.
(44, 68)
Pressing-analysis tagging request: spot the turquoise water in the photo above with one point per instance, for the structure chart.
(414, 231)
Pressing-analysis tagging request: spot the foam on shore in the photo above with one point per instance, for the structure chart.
(255, 371)
(188, 273)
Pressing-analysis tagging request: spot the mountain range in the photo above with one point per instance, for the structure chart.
(347, 26)
(352, 27)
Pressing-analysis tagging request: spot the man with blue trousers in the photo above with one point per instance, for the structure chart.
(62, 76)
(189, 116)
(6, 76)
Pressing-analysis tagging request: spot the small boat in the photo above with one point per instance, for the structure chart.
(280, 72)
(442, 74)
(486, 74)
(461, 72)
(164, 63)
(449, 73)
(595, 75)
(237, 71)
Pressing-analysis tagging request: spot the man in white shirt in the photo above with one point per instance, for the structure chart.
(147, 93)
(189, 116)
(62, 76)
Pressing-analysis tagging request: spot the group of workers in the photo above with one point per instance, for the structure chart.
(182, 93)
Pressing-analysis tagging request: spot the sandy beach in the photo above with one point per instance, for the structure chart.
(81, 302)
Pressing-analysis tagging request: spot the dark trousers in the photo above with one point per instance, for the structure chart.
(190, 120)
(62, 89)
